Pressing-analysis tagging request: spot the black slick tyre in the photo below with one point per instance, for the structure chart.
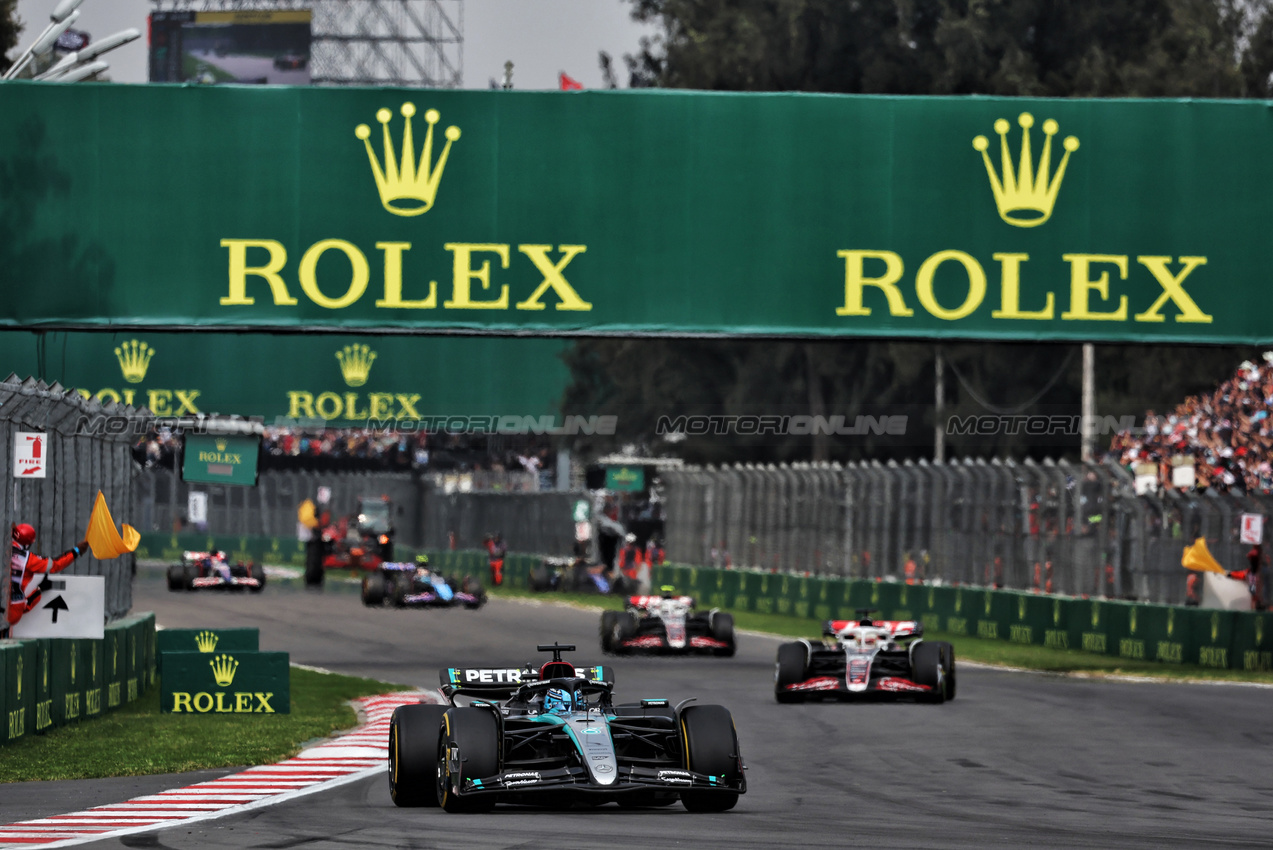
(948, 667)
(176, 577)
(791, 669)
(373, 589)
(607, 629)
(257, 572)
(190, 572)
(926, 669)
(474, 735)
(723, 630)
(711, 747)
(413, 745)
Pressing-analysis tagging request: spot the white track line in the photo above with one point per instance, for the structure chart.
(361, 753)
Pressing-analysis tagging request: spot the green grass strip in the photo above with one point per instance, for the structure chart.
(136, 739)
(980, 650)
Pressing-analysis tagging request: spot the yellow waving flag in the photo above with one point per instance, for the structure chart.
(102, 537)
(1198, 557)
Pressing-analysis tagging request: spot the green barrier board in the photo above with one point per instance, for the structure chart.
(225, 682)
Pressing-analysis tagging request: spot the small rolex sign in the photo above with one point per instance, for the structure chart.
(225, 682)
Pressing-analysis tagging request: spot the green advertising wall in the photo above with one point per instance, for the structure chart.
(46, 683)
(637, 211)
(344, 380)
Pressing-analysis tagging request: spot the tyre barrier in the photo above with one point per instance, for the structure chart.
(51, 682)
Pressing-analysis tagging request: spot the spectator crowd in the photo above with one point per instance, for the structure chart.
(1227, 433)
(365, 450)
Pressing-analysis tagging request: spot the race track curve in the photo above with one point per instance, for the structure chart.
(1018, 760)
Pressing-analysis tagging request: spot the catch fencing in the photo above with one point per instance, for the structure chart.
(1077, 529)
(427, 509)
(81, 458)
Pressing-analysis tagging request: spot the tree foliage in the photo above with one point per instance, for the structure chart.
(1052, 48)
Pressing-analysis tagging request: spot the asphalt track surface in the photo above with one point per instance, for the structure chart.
(1018, 760)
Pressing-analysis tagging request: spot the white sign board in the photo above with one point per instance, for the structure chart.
(197, 507)
(1253, 528)
(1224, 593)
(324, 495)
(30, 454)
(583, 531)
(72, 607)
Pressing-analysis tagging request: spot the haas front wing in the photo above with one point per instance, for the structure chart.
(834, 672)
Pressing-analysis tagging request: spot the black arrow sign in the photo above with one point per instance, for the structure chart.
(57, 603)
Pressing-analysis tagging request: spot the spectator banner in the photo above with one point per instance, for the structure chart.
(637, 212)
(305, 379)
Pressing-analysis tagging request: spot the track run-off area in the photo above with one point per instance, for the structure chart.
(1019, 759)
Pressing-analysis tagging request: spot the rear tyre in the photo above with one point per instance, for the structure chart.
(539, 580)
(413, 745)
(176, 577)
(373, 589)
(607, 629)
(257, 572)
(711, 747)
(473, 732)
(926, 668)
(792, 668)
(723, 630)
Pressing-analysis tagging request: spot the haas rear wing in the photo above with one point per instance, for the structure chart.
(494, 681)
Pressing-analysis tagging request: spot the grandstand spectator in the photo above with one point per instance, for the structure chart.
(1228, 433)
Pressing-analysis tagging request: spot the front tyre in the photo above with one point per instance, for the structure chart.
(926, 668)
(607, 630)
(257, 572)
(792, 668)
(314, 564)
(711, 747)
(413, 743)
(471, 735)
(948, 667)
(373, 589)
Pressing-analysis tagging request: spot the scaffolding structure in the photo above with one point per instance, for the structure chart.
(369, 42)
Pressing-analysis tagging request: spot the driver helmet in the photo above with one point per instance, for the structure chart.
(23, 535)
(559, 701)
(668, 591)
(422, 560)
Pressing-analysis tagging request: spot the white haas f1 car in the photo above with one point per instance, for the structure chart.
(866, 657)
(666, 623)
(555, 737)
(211, 571)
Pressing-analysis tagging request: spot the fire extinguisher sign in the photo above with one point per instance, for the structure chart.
(30, 454)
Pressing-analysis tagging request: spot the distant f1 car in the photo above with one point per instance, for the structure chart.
(866, 657)
(666, 623)
(556, 737)
(211, 571)
(405, 585)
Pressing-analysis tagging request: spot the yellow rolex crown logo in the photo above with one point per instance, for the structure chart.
(1021, 608)
(19, 675)
(221, 444)
(134, 359)
(223, 669)
(1096, 615)
(407, 186)
(355, 363)
(1025, 196)
(206, 641)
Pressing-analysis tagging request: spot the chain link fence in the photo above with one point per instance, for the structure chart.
(426, 509)
(1077, 529)
(86, 451)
